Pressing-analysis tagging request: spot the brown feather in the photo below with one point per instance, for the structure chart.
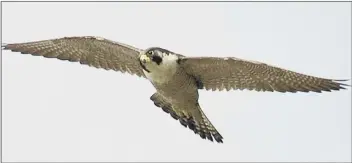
(88, 50)
(196, 120)
(215, 72)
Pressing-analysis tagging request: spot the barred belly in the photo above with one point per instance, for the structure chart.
(181, 87)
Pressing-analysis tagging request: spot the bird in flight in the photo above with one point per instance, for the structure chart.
(176, 77)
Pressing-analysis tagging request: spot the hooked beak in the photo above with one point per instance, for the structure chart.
(144, 58)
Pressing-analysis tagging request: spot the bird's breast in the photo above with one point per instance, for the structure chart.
(162, 73)
(159, 77)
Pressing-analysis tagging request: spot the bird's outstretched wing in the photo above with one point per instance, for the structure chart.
(214, 73)
(93, 51)
(194, 118)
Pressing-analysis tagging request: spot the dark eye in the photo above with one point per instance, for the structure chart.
(150, 52)
(157, 59)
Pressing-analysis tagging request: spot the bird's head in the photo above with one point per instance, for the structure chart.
(155, 57)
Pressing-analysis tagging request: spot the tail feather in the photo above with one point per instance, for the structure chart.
(209, 128)
(197, 121)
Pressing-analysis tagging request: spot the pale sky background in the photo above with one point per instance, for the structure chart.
(61, 111)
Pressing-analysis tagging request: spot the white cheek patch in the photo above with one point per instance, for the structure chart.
(170, 59)
(163, 72)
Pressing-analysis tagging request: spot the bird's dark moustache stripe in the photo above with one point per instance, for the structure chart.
(144, 68)
(157, 59)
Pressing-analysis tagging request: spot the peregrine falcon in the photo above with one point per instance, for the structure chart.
(176, 77)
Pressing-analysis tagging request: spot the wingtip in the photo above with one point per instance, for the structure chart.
(3, 45)
(341, 85)
(341, 80)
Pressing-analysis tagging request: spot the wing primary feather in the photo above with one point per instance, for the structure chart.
(88, 50)
(233, 73)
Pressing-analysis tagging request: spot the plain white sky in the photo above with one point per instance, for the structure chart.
(61, 111)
